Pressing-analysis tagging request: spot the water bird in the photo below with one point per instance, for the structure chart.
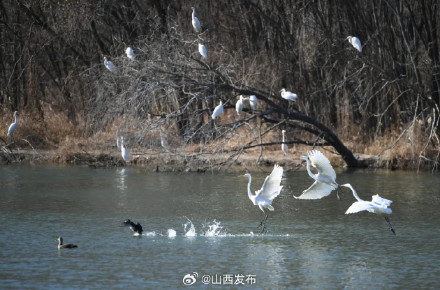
(137, 228)
(239, 105)
(65, 246)
(284, 147)
(195, 21)
(124, 152)
(253, 102)
(217, 110)
(109, 65)
(355, 42)
(377, 205)
(203, 51)
(287, 95)
(271, 188)
(325, 179)
(13, 125)
(130, 53)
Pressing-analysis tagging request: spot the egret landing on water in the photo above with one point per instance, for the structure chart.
(271, 188)
(195, 21)
(377, 205)
(109, 65)
(13, 125)
(325, 179)
(217, 111)
(284, 147)
(355, 42)
(130, 53)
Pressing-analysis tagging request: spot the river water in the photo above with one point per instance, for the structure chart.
(201, 229)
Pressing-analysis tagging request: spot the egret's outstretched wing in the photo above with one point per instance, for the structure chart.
(271, 187)
(317, 190)
(358, 206)
(321, 163)
(381, 201)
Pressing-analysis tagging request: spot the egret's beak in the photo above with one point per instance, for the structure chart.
(241, 175)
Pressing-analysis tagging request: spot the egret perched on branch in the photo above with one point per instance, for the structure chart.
(325, 179)
(13, 125)
(377, 205)
(284, 147)
(124, 151)
(239, 104)
(271, 188)
(195, 21)
(217, 111)
(288, 95)
(109, 65)
(203, 51)
(130, 53)
(253, 102)
(355, 42)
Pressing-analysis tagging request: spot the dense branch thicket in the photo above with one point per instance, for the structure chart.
(52, 52)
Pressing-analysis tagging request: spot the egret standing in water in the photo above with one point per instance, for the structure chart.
(217, 111)
(325, 179)
(203, 51)
(195, 21)
(13, 125)
(130, 53)
(284, 147)
(253, 102)
(271, 188)
(124, 152)
(355, 42)
(377, 205)
(109, 65)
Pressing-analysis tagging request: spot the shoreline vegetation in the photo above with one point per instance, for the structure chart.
(254, 75)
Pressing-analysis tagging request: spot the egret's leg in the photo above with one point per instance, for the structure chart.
(263, 224)
(389, 224)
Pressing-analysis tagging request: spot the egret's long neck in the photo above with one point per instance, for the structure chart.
(16, 118)
(251, 197)
(354, 193)
(311, 174)
(194, 13)
(283, 137)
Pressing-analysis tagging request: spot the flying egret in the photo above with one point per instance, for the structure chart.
(271, 188)
(109, 65)
(253, 102)
(195, 21)
(203, 51)
(239, 105)
(284, 147)
(325, 179)
(355, 42)
(129, 52)
(124, 151)
(377, 205)
(13, 125)
(217, 111)
(288, 95)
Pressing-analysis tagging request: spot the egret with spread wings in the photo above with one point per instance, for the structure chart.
(271, 188)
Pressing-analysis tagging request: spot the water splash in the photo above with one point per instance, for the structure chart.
(150, 234)
(191, 232)
(214, 229)
(171, 233)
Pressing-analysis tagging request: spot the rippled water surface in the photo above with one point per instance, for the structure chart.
(202, 228)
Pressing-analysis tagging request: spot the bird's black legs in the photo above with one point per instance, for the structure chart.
(263, 224)
(390, 225)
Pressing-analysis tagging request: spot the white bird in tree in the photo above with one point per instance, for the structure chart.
(355, 42)
(163, 141)
(239, 104)
(130, 53)
(109, 65)
(271, 188)
(284, 147)
(203, 51)
(288, 95)
(13, 125)
(124, 151)
(325, 179)
(195, 21)
(377, 205)
(253, 102)
(217, 111)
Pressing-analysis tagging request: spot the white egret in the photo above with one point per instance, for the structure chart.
(284, 147)
(118, 139)
(13, 125)
(271, 188)
(217, 111)
(124, 151)
(377, 205)
(195, 21)
(109, 65)
(203, 51)
(288, 95)
(130, 53)
(163, 141)
(355, 42)
(253, 102)
(325, 179)
(239, 105)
